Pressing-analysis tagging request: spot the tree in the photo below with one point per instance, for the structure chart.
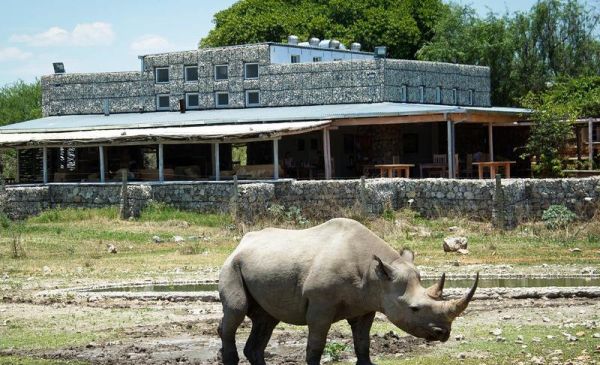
(402, 25)
(555, 111)
(525, 51)
(19, 101)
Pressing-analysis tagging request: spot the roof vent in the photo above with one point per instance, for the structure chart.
(324, 43)
(314, 42)
(380, 52)
(334, 43)
(106, 107)
(356, 46)
(293, 40)
(304, 44)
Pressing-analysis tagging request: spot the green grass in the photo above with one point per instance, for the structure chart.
(159, 212)
(22, 360)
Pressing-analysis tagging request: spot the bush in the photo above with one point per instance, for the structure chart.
(334, 350)
(291, 215)
(558, 216)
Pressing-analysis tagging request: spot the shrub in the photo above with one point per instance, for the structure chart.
(334, 350)
(291, 215)
(558, 216)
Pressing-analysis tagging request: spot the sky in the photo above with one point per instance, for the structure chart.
(108, 35)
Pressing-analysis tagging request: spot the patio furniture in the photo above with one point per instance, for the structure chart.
(494, 166)
(468, 171)
(439, 166)
(401, 170)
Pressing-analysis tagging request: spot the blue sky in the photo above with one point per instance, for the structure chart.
(107, 35)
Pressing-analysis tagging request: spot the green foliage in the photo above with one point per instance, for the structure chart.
(292, 214)
(555, 109)
(402, 25)
(558, 216)
(334, 350)
(524, 50)
(161, 212)
(63, 215)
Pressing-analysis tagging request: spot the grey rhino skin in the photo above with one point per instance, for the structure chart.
(317, 276)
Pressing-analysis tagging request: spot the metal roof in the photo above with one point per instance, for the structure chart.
(89, 122)
(207, 133)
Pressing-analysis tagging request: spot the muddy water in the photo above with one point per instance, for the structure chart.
(483, 283)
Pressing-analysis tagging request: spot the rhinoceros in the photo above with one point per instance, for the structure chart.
(317, 276)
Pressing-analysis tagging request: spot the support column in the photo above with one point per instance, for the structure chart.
(45, 164)
(161, 163)
(101, 157)
(18, 167)
(591, 143)
(327, 153)
(217, 162)
(491, 141)
(450, 130)
(275, 159)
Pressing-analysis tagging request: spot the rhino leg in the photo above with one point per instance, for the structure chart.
(235, 306)
(319, 319)
(361, 326)
(262, 329)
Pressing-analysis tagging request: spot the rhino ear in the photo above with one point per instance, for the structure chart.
(408, 255)
(382, 270)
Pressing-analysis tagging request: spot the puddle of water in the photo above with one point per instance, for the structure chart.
(466, 283)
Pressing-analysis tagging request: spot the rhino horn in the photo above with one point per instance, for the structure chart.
(459, 305)
(435, 291)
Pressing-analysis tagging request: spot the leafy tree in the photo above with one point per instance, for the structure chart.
(19, 101)
(402, 25)
(555, 111)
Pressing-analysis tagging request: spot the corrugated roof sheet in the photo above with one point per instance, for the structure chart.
(233, 116)
(213, 133)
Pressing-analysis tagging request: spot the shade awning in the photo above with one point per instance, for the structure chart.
(206, 133)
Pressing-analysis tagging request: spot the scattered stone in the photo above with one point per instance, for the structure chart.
(575, 250)
(496, 332)
(459, 337)
(463, 251)
(580, 334)
(156, 239)
(461, 356)
(453, 229)
(596, 335)
(506, 317)
(456, 263)
(453, 244)
(46, 270)
(112, 248)
(550, 337)
(5, 276)
(536, 339)
(570, 337)
(538, 360)
(500, 339)
(545, 319)
(178, 239)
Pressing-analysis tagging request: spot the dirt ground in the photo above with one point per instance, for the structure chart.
(185, 332)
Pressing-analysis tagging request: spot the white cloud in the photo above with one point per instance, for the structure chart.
(13, 54)
(83, 35)
(150, 43)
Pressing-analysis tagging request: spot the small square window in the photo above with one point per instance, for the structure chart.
(222, 99)
(162, 74)
(251, 71)
(192, 101)
(295, 58)
(252, 98)
(163, 102)
(221, 72)
(191, 73)
(317, 59)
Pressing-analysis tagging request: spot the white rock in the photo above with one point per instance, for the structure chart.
(156, 239)
(453, 244)
(496, 332)
(596, 335)
(178, 239)
(112, 248)
(46, 270)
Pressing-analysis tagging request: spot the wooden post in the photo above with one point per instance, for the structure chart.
(217, 162)
(363, 197)
(450, 130)
(491, 140)
(161, 163)
(101, 156)
(578, 138)
(124, 206)
(233, 207)
(498, 210)
(45, 165)
(275, 159)
(327, 153)
(591, 143)
(18, 167)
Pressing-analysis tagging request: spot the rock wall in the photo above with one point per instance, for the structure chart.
(523, 199)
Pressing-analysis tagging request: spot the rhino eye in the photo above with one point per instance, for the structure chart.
(414, 308)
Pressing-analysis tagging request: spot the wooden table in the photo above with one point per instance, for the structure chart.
(402, 169)
(493, 166)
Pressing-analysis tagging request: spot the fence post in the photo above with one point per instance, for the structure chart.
(498, 210)
(233, 205)
(363, 197)
(124, 206)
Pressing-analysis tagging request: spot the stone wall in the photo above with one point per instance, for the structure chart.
(360, 81)
(524, 199)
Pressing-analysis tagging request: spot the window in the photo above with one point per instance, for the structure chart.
(222, 99)
(421, 94)
(163, 102)
(470, 97)
(404, 95)
(454, 96)
(317, 59)
(192, 101)
(191, 73)
(221, 72)
(161, 74)
(251, 71)
(438, 95)
(295, 58)
(252, 98)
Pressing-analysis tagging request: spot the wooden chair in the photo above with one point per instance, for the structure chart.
(439, 159)
(468, 170)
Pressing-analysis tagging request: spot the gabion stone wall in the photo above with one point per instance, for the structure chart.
(521, 199)
(365, 81)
